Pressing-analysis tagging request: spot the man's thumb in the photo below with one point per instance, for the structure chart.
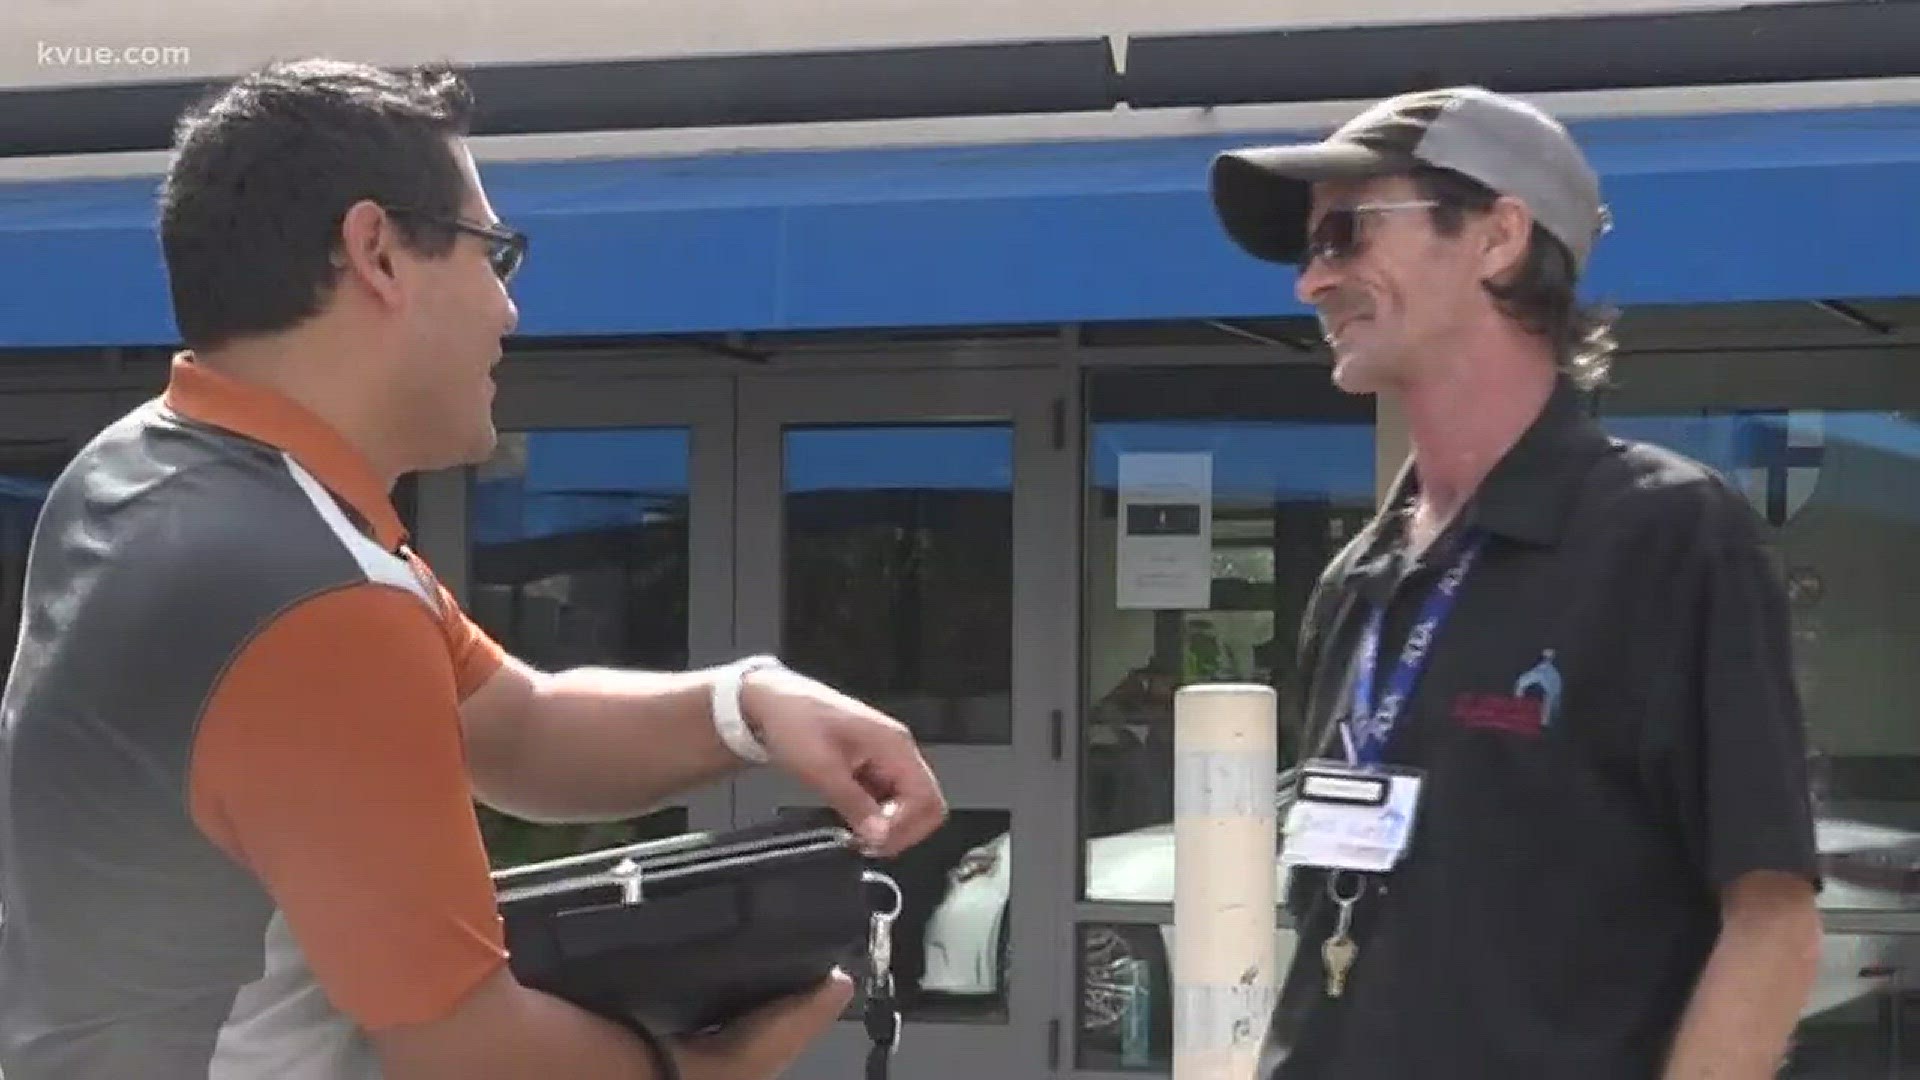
(862, 813)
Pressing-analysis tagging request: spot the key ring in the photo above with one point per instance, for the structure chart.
(1333, 888)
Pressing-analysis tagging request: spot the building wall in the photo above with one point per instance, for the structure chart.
(56, 42)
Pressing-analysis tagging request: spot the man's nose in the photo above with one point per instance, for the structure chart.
(1314, 280)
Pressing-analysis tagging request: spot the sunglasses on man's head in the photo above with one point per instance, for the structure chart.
(1336, 237)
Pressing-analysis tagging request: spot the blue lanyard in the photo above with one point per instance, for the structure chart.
(1368, 727)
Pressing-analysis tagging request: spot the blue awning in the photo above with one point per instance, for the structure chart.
(1747, 207)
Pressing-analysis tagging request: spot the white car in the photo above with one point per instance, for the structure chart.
(1870, 867)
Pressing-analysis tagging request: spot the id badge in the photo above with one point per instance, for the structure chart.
(1351, 818)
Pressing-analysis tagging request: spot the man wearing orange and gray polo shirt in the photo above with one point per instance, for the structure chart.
(241, 742)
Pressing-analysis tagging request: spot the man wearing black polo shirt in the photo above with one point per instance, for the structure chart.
(1557, 824)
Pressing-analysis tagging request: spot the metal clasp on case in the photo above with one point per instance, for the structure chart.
(626, 873)
(880, 938)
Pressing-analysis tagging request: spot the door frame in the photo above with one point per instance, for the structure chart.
(704, 407)
(1030, 776)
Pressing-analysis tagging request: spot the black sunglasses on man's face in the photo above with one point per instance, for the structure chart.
(1336, 237)
(506, 248)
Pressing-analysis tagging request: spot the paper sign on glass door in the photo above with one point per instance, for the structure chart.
(1165, 558)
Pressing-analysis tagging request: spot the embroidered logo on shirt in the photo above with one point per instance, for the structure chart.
(1528, 710)
(1543, 678)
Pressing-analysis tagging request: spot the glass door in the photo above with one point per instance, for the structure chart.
(907, 539)
(1263, 473)
(599, 533)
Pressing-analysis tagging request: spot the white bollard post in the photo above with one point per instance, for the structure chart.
(1224, 907)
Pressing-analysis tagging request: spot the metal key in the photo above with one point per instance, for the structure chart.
(1340, 950)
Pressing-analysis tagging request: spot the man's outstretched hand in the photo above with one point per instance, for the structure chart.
(864, 763)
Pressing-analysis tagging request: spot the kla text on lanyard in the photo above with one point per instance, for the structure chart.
(1368, 725)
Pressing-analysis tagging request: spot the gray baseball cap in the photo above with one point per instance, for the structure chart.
(1262, 194)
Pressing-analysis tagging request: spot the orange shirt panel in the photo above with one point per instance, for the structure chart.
(476, 656)
(330, 761)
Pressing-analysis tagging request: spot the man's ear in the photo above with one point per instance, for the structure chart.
(1506, 232)
(366, 249)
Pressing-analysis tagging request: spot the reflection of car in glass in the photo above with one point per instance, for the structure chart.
(1867, 866)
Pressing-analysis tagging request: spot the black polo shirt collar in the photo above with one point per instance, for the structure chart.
(1528, 495)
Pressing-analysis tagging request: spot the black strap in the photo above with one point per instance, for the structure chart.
(664, 1061)
(883, 1026)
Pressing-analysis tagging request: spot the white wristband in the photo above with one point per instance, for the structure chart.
(728, 719)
